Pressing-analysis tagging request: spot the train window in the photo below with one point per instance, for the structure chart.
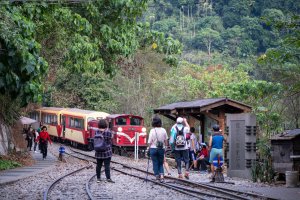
(121, 121)
(49, 119)
(76, 123)
(135, 121)
(34, 115)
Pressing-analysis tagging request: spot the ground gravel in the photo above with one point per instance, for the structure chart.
(125, 187)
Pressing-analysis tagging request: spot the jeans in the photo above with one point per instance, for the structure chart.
(44, 146)
(157, 157)
(34, 147)
(106, 166)
(182, 155)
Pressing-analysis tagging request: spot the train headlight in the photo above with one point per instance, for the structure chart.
(144, 129)
(120, 129)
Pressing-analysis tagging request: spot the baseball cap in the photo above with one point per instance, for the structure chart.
(179, 120)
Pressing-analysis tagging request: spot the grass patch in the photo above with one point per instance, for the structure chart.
(8, 164)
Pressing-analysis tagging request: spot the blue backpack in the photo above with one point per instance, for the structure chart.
(100, 143)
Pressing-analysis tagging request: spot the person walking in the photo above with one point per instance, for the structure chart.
(166, 166)
(105, 154)
(35, 136)
(29, 138)
(193, 148)
(43, 140)
(157, 143)
(178, 141)
(215, 147)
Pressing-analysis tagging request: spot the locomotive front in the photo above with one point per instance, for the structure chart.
(128, 131)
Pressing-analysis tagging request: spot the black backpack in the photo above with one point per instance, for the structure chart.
(180, 140)
(100, 143)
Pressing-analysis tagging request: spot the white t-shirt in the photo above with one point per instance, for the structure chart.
(157, 134)
(193, 138)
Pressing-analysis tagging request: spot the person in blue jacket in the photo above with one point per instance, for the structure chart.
(215, 146)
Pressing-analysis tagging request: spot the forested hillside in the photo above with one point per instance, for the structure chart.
(258, 39)
(132, 56)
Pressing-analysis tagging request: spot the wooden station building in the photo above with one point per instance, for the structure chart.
(204, 112)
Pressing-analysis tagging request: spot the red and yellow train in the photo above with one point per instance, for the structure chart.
(78, 127)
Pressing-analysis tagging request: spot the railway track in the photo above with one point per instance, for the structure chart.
(193, 189)
(62, 182)
(73, 181)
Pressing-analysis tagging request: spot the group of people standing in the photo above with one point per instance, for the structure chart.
(184, 145)
(39, 137)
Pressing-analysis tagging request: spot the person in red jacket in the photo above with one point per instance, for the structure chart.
(43, 139)
(203, 158)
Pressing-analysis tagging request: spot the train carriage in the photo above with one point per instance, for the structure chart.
(75, 125)
(50, 117)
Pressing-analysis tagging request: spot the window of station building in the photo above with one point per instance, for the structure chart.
(49, 119)
(76, 123)
(135, 121)
(121, 121)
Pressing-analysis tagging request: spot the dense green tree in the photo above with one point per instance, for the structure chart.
(21, 66)
(212, 22)
(207, 37)
(234, 11)
(166, 26)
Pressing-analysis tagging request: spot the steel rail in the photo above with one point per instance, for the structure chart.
(198, 192)
(158, 183)
(226, 191)
(87, 188)
(60, 178)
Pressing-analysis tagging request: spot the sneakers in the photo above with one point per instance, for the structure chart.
(35, 151)
(98, 180)
(180, 176)
(110, 181)
(162, 180)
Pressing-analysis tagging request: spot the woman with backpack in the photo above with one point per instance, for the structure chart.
(157, 142)
(103, 150)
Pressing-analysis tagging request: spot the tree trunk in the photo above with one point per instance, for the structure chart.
(5, 139)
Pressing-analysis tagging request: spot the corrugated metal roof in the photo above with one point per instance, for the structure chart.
(196, 103)
(84, 112)
(122, 115)
(287, 135)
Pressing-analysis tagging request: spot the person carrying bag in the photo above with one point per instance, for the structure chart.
(157, 141)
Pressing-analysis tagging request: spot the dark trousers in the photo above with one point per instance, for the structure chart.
(29, 144)
(182, 155)
(106, 166)
(203, 163)
(44, 146)
(157, 156)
